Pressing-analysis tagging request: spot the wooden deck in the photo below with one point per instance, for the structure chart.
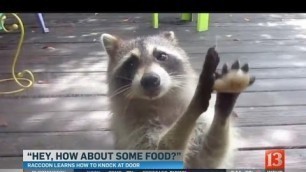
(67, 108)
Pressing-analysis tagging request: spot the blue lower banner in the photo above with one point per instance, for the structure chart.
(138, 170)
(157, 170)
(154, 170)
(104, 165)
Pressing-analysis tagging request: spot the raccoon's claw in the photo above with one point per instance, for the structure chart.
(252, 80)
(234, 80)
(245, 68)
(200, 100)
(236, 65)
(225, 69)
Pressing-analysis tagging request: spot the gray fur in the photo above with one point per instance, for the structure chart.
(176, 119)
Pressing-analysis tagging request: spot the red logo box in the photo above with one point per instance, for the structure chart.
(275, 159)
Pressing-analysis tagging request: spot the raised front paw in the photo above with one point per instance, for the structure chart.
(211, 62)
(200, 101)
(234, 80)
(209, 68)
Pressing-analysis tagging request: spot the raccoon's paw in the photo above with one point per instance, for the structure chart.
(234, 80)
(209, 68)
(211, 62)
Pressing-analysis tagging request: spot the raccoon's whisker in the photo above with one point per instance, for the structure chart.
(184, 76)
(127, 105)
(178, 75)
(174, 90)
(181, 76)
(171, 90)
(178, 84)
(120, 90)
(118, 93)
(128, 94)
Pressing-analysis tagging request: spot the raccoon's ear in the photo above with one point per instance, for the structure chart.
(109, 43)
(170, 36)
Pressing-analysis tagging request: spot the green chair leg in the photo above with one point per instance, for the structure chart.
(203, 22)
(1, 15)
(187, 16)
(155, 20)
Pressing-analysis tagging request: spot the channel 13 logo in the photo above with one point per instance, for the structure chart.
(275, 159)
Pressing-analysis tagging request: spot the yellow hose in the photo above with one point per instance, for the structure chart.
(20, 75)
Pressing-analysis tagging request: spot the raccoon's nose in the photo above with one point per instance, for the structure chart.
(150, 81)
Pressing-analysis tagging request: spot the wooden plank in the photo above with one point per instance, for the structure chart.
(99, 120)
(279, 73)
(71, 63)
(215, 17)
(278, 85)
(14, 144)
(57, 19)
(39, 50)
(41, 121)
(54, 104)
(270, 109)
(184, 33)
(165, 22)
(270, 116)
(262, 73)
(70, 121)
(272, 61)
(11, 163)
(90, 19)
(57, 64)
(251, 137)
(92, 83)
(67, 48)
(21, 122)
(260, 70)
(244, 47)
(53, 83)
(80, 102)
(272, 136)
(68, 59)
(230, 19)
(295, 160)
(61, 84)
(286, 98)
(223, 17)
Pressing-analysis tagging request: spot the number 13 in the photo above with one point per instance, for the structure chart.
(277, 157)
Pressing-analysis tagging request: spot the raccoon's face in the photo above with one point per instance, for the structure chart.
(145, 67)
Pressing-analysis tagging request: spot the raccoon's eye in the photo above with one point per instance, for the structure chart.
(131, 63)
(162, 56)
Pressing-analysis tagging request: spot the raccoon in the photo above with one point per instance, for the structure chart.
(158, 102)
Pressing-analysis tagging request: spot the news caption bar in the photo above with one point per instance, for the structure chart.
(99, 160)
(110, 161)
(162, 170)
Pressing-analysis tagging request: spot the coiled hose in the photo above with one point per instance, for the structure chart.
(21, 75)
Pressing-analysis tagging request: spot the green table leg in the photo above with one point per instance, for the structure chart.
(186, 16)
(1, 15)
(155, 20)
(203, 22)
